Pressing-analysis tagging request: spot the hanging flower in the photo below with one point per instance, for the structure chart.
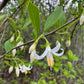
(24, 69)
(14, 52)
(32, 57)
(49, 54)
(10, 69)
(32, 47)
(68, 43)
(82, 19)
(17, 71)
(22, 47)
(12, 39)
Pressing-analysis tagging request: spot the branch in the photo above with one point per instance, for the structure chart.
(4, 21)
(12, 15)
(3, 4)
(31, 41)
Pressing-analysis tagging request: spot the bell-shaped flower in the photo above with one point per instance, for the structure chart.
(82, 19)
(68, 43)
(14, 52)
(24, 68)
(32, 47)
(12, 39)
(22, 47)
(10, 69)
(49, 54)
(17, 71)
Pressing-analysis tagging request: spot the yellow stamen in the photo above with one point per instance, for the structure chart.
(50, 62)
(25, 72)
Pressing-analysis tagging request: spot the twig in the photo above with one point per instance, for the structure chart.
(12, 15)
(4, 2)
(31, 41)
(19, 7)
(3, 34)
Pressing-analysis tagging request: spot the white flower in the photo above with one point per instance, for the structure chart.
(50, 57)
(49, 54)
(81, 19)
(32, 47)
(17, 71)
(68, 43)
(32, 56)
(10, 69)
(24, 69)
(12, 39)
(14, 52)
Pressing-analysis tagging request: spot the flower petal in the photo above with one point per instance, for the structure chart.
(56, 49)
(50, 59)
(59, 54)
(41, 56)
(29, 67)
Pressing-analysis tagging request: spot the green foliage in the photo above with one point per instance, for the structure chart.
(8, 45)
(2, 16)
(28, 21)
(58, 14)
(34, 16)
(72, 56)
(13, 24)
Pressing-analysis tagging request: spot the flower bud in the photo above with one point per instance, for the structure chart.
(14, 52)
(22, 47)
(81, 19)
(10, 69)
(32, 47)
(68, 43)
(17, 71)
(12, 39)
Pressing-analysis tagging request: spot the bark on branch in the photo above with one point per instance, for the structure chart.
(3, 4)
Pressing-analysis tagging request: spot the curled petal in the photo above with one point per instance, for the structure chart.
(56, 49)
(29, 67)
(41, 56)
(59, 54)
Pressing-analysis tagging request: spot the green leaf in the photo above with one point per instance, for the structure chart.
(53, 18)
(28, 22)
(64, 57)
(34, 16)
(62, 19)
(75, 58)
(2, 16)
(69, 64)
(13, 24)
(8, 45)
(70, 53)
